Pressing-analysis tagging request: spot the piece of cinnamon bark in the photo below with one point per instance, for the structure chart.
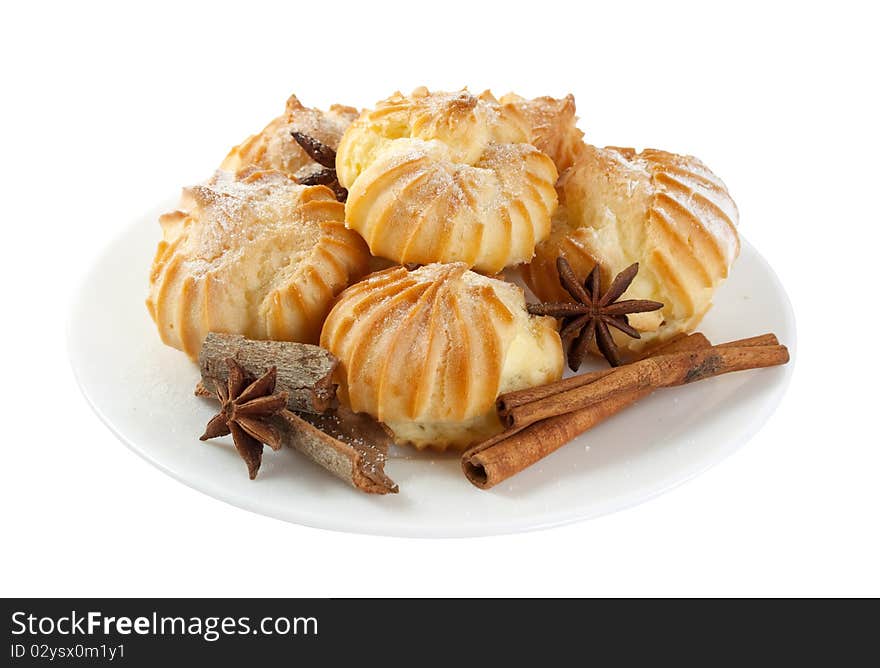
(507, 402)
(666, 370)
(305, 372)
(505, 455)
(351, 446)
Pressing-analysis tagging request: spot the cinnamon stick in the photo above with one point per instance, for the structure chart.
(511, 400)
(520, 447)
(493, 461)
(751, 342)
(305, 372)
(654, 372)
(490, 463)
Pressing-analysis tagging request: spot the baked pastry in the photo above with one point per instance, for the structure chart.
(667, 212)
(552, 126)
(275, 147)
(254, 254)
(428, 351)
(446, 177)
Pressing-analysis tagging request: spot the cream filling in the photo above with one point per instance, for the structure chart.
(534, 357)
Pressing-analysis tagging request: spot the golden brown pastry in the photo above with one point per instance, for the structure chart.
(552, 125)
(428, 351)
(254, 254)
(275, 147)
(665, 211)
(446, 177)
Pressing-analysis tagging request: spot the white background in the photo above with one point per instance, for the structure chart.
(108, 109)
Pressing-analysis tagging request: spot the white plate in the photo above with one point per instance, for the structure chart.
(143, 390)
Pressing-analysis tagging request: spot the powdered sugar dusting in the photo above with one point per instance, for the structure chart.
(446, 177)
(275, 148)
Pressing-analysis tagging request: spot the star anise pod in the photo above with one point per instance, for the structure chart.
(324, 156)
(590, 315)
(245, 405)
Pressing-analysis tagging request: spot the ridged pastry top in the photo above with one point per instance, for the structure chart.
(275, 147)
(552, 125)
(254, 254)
(446, 177)
(668, 212)
(428, 351)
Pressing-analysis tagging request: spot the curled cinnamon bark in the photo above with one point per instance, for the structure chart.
(686, 359)
(509, 401)
(351, 446)
(679, 368)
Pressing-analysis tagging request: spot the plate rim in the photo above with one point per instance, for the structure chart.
(446, 530)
